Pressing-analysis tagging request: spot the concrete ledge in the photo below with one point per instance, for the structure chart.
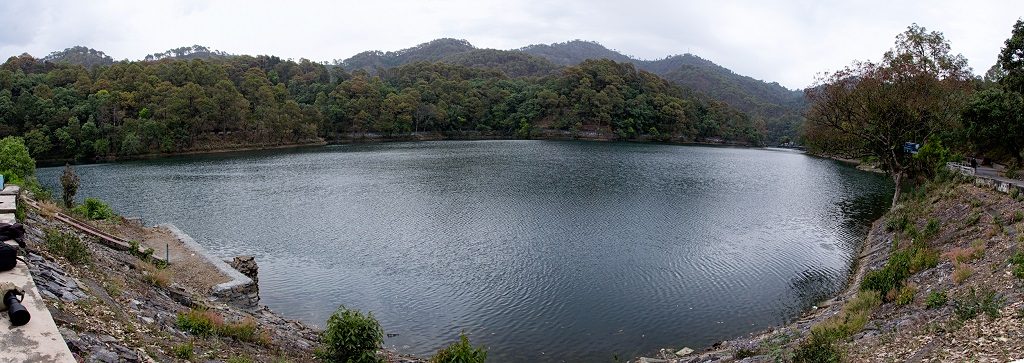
(237, 279)
(241, 291)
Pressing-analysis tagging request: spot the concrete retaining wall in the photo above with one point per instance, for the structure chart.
(241, 291)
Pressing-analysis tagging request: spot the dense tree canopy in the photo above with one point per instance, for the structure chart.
(994, 119)
(66, 111)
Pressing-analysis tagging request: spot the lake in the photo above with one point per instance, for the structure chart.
(540, 250)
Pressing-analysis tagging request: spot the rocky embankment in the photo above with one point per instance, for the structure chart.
(117, 306)
(960, 300)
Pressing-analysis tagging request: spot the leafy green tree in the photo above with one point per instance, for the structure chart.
(994, 118)
(15, 160)
(869, 110)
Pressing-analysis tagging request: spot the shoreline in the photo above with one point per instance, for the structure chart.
(365, 138)
(872, 250)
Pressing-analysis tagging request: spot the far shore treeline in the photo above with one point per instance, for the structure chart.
(68, 111)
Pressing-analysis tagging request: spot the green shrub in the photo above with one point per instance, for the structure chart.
(67, 245)
(936, 299)
(1018, 271)
(897, 222)
(460, 352)
(184, 351)
(1018, 216)
(972, 219)
(206, 323)
(94, 209)
(817, 349)
(889, 277)
(351, 336)
(972, 303)
(923, 259)
(198, 322)
(906, 295)
(932, 228)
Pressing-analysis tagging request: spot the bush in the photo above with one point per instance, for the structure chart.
(971, 304)
(961, 272)
(932, 229)
(817, 349)
(207, 323)
(972, 219)
(460, 352)
(184, 351)
(155, 276)
(901, 265)
(936, 299)
(69, 183)
(94, 209)
(898, 221)
(198, 322)
(67, 245)
(351, 336)
(906, 295)
(1017, 261)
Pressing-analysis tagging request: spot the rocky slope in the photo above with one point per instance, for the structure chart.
(115, 306)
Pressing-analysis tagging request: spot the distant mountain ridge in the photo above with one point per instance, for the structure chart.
(780, 109)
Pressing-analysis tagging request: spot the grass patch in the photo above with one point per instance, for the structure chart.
(905, 295)
(966, 255)
(972, 219)
(1017, 262)
(932, 228)
(901, 264)
(113, 288)
(67, 245)
(184, 351)
(155, 275)
(820, 347)
(461, 352)
(970, 304)
(961, 272)
(208, 323)
(936, 299)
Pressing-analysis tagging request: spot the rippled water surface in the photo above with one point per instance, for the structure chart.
(540, 250)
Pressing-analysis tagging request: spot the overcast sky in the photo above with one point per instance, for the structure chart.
(789, 42)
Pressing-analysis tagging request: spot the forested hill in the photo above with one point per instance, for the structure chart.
(80, 55)
(193, 52)
(780, 109)
(67, 111)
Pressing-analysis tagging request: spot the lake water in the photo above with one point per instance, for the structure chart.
(540, 250)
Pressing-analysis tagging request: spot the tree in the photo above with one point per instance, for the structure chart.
(869, 110)
(69, 184)
(15, 160)
(994, 118)
(1011, 59)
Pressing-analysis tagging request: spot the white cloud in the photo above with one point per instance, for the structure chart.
(784, 41)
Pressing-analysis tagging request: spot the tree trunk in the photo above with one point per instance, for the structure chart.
(897, 178)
